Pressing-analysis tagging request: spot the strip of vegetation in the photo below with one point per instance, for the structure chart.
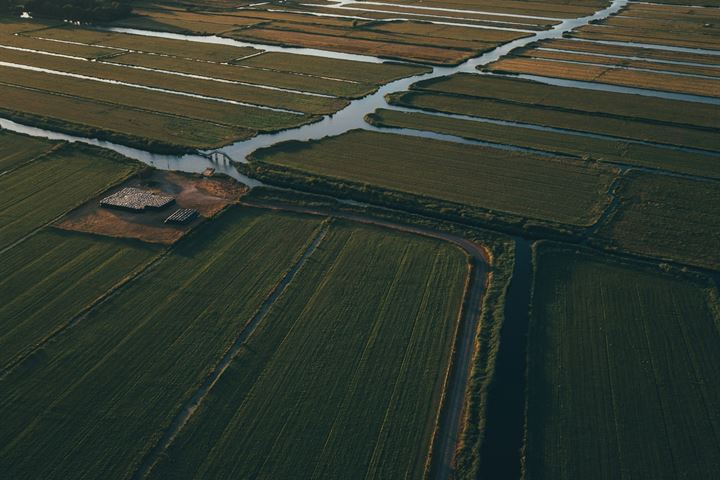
(621, 362)
(477, 182)
(588, 148)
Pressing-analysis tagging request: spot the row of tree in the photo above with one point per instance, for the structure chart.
(77, 10)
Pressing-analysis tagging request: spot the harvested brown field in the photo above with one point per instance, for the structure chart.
(249, 94)
(653, 37)
(435, 55)
(667, 217)
(375, 73)
(614, 76)
(522, 91)
(118, 95)
(559, 9)
(122, 124)
(205, 195)
(138, 43)
(254, 76)
(467, 17)
(83, 51)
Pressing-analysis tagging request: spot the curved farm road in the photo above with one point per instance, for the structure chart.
(448, 428)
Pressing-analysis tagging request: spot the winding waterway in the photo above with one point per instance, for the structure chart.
(501, 454)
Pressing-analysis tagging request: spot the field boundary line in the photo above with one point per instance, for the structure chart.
(190, 407)
(82, 314)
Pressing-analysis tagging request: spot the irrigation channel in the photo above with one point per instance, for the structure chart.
(500, 455)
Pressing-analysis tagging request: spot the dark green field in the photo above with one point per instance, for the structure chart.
(489, 178)
(36, 193)
(622, 370)
(16, 150)
(668, 217)
(51, 277)
(344, 377)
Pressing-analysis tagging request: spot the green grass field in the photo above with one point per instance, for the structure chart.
(95, 400)
(668, 217)
(605, 150)
(16, 150)
(49, 278)
(343, 378)
(493, 179)
(36, 193)
(623, 364)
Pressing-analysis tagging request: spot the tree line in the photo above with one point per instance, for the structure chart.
(77, 10)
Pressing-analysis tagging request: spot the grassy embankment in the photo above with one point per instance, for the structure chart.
(622, 362)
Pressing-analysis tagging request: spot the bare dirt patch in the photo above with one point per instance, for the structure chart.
(207, 195)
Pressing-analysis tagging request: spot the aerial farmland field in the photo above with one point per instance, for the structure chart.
(332, 239)
(619, 376)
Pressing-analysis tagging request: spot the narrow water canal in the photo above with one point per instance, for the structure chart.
(505, 425)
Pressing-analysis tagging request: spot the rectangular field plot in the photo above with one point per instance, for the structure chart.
(622, 369)
(16, 150)
(343, 378)
(605, 150)
(668, 217)
(492, 179)
(36, 193)
(694, 85)
(93, 402)
(50, 278)
(610, 125)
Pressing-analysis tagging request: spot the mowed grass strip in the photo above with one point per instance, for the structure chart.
(125, 125)
(95, 401)
(36, 193)
(373, 73)
(16, 149)
(489, 178)
(605, 150)
(518, 90)
(668, 217)
(179, 48)
(48, 279)
(622, 369)
(620, 127)
(343, 378)
(709, 87)
(302, 83)
(265, 119)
